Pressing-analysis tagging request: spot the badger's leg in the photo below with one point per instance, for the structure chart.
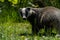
(48, 30)
(34, 26)
(36, 29)
(38, 26)
(58, 29)
(33, 30)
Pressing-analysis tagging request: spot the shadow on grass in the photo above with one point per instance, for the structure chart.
(24, 34)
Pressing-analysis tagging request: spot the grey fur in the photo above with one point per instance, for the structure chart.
(46, 17)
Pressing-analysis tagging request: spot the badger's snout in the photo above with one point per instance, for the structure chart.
(24, 17)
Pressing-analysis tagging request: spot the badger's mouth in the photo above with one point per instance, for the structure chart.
(24, 18)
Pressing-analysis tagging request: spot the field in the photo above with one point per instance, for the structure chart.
(11, 26)
(12, 31)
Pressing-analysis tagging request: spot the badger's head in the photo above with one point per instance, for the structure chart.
(26, 12)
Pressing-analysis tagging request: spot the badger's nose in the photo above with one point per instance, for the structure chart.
(24, 17)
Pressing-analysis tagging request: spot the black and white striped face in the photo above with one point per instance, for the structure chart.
(25, 12)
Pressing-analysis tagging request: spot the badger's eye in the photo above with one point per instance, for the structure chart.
(26, 13)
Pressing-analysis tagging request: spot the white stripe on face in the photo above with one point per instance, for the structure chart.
(23, 10)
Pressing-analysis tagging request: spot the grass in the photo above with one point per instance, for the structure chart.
(12, 31)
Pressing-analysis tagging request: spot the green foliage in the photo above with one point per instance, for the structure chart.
(11, 31)
(55, 3)
(13, 1)
(2, 0)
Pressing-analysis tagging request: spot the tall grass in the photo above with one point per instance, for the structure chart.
(9, 15)
(12, 31)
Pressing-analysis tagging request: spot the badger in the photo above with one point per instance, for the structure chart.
(47, 17)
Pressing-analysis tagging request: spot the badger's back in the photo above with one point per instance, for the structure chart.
(52, 11)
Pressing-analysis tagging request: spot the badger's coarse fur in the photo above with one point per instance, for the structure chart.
(47, 17)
